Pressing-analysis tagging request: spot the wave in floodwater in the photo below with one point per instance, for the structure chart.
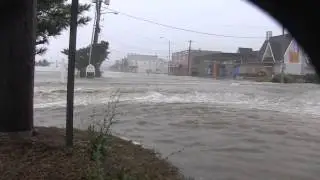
(305, 103)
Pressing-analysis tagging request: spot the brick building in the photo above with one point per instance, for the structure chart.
(180, 64)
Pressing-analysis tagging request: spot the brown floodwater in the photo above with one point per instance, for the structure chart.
(209, 129)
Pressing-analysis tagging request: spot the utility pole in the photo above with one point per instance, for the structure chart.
(97, 23)
(71, 67)
(169, 55)
(282, 63)
(189, 57)
(95, 36)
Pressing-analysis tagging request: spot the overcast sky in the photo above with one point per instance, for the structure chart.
(128, 35)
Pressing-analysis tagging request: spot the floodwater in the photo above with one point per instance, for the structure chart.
(210, 129)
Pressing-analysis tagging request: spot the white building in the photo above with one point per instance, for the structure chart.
(144, 63)
(283, 49)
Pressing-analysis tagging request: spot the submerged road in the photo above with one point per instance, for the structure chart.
(219, 129)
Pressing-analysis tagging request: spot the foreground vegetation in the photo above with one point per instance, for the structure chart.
(288, 78)
(96, 155)
(44, 156)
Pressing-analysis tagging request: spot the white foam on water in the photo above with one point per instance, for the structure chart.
(50, 104)
(157, 97)
(127, 139)
(234, 84)
(63, 90)
(298, 105)
(78, 101)
(47, 69)
(196, 97)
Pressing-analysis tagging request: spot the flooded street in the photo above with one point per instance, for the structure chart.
(210, 129)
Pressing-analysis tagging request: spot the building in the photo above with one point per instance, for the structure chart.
(162, 66)
(248, 55)
(227, 65)
(249, 63)
(143, 63)
(215, 65)
(282, 53)
(180, 64)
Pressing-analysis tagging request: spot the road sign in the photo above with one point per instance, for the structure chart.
(90, 68)
(90, 71)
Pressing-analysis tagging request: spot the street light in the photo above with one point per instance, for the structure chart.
(169, 57)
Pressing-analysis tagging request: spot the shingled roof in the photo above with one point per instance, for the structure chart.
(243, 50)
(279, 45)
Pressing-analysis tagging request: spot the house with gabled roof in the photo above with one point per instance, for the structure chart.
(283, 51)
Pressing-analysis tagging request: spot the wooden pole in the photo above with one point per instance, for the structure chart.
(71, 69)
(282, 63)
(189, 58)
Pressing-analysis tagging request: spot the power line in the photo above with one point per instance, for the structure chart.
(184, 29)
(137, 47)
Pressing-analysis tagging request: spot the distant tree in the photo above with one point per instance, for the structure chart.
(43, 63)
(125, 62)
(116, 66)
(124, 65)
(99, 54)
(53, 17)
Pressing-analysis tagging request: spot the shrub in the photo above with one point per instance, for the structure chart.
(99, 137)
(287, 78)
(311, 78)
